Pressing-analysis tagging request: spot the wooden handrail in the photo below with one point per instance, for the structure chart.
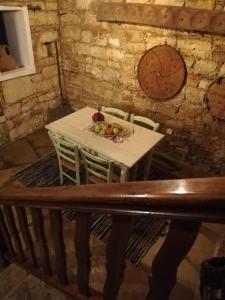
(199, 199)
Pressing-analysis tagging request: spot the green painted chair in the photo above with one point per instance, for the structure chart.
(115, 112)
(98, 169)
(68, 158)
(141, 170)
(140, 120)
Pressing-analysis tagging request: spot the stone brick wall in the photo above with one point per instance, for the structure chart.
(25, 101)
(100, 67)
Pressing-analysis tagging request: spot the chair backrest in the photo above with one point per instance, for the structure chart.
(145, 121)
(115, 112)
(98, 169)
(68, 157)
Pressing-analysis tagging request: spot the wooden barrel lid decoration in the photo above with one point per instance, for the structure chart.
(161, 72)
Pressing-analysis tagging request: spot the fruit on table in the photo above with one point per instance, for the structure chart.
(97, 128)
(116, 130)
(103, 128)
(100, 128)
(109, 130)
(98, 117)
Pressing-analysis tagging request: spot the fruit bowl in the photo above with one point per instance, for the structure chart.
(113, 131)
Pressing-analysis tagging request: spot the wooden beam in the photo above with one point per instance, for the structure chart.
(166, 16)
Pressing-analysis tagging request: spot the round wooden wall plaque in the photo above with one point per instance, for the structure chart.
(161, 72)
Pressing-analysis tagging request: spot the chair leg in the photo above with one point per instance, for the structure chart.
(60, 174)
(124, 174)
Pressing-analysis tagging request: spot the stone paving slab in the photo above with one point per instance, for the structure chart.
(18, 153)
(14, 185)
(10, 278)
(34, 289)
(43, 151)
(39, 139)
(7, 176)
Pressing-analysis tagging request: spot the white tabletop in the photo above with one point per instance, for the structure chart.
(76, 128)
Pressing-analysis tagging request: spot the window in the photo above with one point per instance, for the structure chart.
(15, 33)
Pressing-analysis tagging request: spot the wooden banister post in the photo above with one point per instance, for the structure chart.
(115, 253)
(13, 230)
(177, 244)
(41, 241)
(58, 245)
(83, 253)
(3, 249)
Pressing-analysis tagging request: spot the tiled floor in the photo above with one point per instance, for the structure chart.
(27, 150)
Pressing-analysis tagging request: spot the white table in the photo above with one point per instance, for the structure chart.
(75, 127)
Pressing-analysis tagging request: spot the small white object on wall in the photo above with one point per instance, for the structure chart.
(169, 130)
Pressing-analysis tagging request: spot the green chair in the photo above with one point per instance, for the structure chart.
(115, 112)
(141, 170)
(68, 158)
(98, 169)
(140, 120)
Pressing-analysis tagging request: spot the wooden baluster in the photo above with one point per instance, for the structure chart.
(24, 228)
(3, 250)
(58, 243)
(82, 236)
(5, 233)
(40, 237)
(121, 232)
(14, 231)
(177, 244)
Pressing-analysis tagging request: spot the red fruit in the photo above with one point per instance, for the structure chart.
(109, 130)
(98, 117)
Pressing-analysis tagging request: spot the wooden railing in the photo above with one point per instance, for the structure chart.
(25, 242)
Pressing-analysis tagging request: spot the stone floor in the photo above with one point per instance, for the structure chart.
(28, 149)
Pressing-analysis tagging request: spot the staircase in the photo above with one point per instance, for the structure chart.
(40, 245)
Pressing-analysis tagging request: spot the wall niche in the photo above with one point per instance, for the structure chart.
(15, 43)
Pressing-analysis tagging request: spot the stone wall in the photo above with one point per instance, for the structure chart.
(25, 101)
(100, 67)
